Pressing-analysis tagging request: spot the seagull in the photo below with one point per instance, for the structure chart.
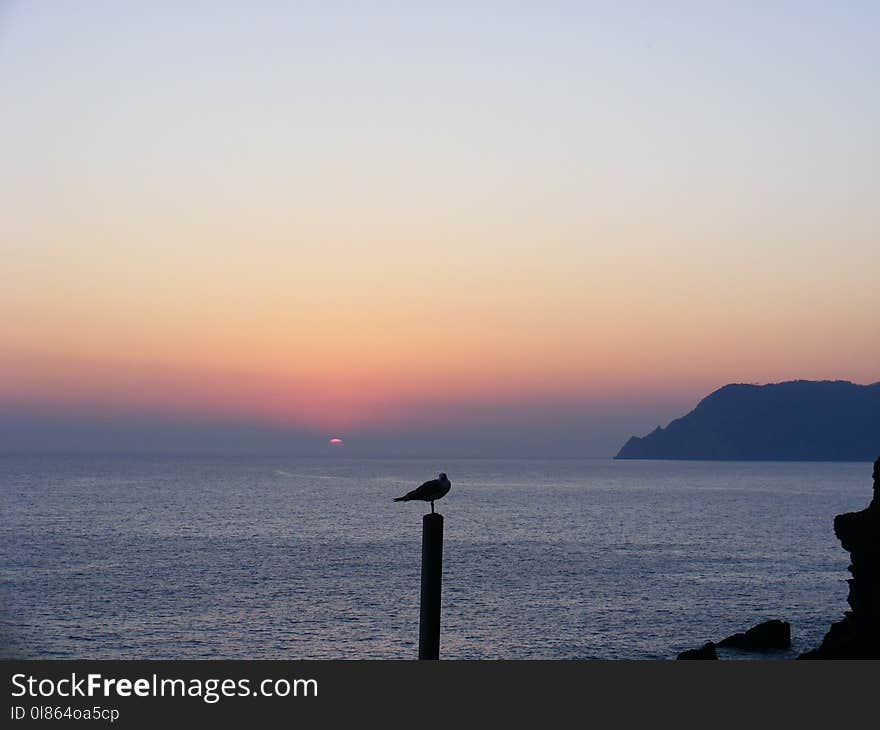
(429, 491)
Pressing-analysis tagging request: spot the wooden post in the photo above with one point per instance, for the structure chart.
(432, 576)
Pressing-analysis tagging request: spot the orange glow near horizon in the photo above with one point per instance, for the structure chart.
(339, 346)
(269, 334)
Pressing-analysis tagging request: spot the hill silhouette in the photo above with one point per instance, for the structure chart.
(797, 420)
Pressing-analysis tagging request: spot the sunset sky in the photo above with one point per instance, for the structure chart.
(471, 227)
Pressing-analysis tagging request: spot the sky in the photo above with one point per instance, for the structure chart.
(476, 228)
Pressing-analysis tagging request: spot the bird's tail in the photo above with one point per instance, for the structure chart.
(400, 499)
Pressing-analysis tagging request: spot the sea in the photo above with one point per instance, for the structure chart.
(172, 557)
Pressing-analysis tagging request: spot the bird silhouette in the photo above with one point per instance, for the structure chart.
(429, 491)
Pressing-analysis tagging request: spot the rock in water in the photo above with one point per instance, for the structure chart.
(763, 637)
(857, 636)
(706, 652)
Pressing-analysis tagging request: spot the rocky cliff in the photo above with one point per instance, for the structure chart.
(857, 636)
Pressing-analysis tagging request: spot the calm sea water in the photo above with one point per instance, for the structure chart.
(150, 557)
